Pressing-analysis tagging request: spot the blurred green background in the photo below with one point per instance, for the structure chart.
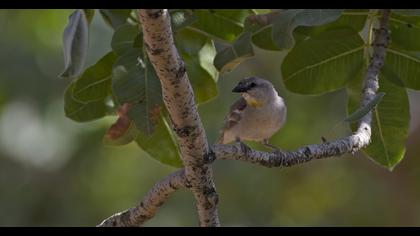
(56, 172)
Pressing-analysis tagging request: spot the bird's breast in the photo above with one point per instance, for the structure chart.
(261, 122)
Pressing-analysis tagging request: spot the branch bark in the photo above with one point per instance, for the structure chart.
(197, 158)
(179, 99)
(147, 208)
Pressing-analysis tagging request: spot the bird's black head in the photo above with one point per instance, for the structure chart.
(246, 84)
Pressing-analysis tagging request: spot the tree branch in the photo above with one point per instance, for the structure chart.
(351, 144)
(178, 97)
(147, 208)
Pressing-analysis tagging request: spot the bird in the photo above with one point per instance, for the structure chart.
(256, 116)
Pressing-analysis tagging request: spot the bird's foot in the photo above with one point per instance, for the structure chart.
(274, 149)
(244, 148)
(277, 151)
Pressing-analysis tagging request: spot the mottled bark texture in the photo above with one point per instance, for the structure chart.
(179, 100)
(147, 208)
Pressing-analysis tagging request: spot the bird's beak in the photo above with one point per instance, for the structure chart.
(240, 88)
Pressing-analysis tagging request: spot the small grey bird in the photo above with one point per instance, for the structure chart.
(257, 115)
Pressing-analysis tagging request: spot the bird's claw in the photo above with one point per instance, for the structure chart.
(244, 148)
(274, 149)
(277, 151)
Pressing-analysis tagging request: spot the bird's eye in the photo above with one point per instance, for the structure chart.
(252, 85)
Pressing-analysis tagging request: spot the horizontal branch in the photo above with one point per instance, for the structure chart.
(241, 152)
(147, 208)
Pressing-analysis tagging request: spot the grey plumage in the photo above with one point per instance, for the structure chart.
(257, 115)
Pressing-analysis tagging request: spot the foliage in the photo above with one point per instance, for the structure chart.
(327, 50)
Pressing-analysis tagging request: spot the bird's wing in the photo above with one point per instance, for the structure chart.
(234, 116)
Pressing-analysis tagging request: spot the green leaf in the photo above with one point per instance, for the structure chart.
(350, 18)
(206, 57)
(127, 77)
(405, 66)
(228, 58)
(198, 53)
(405, 32)
(123, 38)
(160, 145)
(407, 12)
(75, 44)
(323, 63)
(181, 18)
(361, 112)
(95, 82)
(115, 17)
(80, 111)
(222, 24)
(135, 81)
(285, 23)
(204, 86)
(261, 32)
(390, 121)
(261, 37)
(138, 41)
(89, 14)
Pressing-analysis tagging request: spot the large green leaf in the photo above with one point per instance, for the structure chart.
(115, 17)
(324, 62)
(405, 32)
(390, 121)
(262, 34)
(95, 82)
(262, 37)
(80, 111)
(405, 66)
(123, 38)
(286, 21)
(198, 53)
(134, 81)
(351, 18)
(161, 145)
(407, 12)
(127, 77)
(75, 44)
(229, 57)
(225, 24)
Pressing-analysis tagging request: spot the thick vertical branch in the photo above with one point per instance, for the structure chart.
(179, 100)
